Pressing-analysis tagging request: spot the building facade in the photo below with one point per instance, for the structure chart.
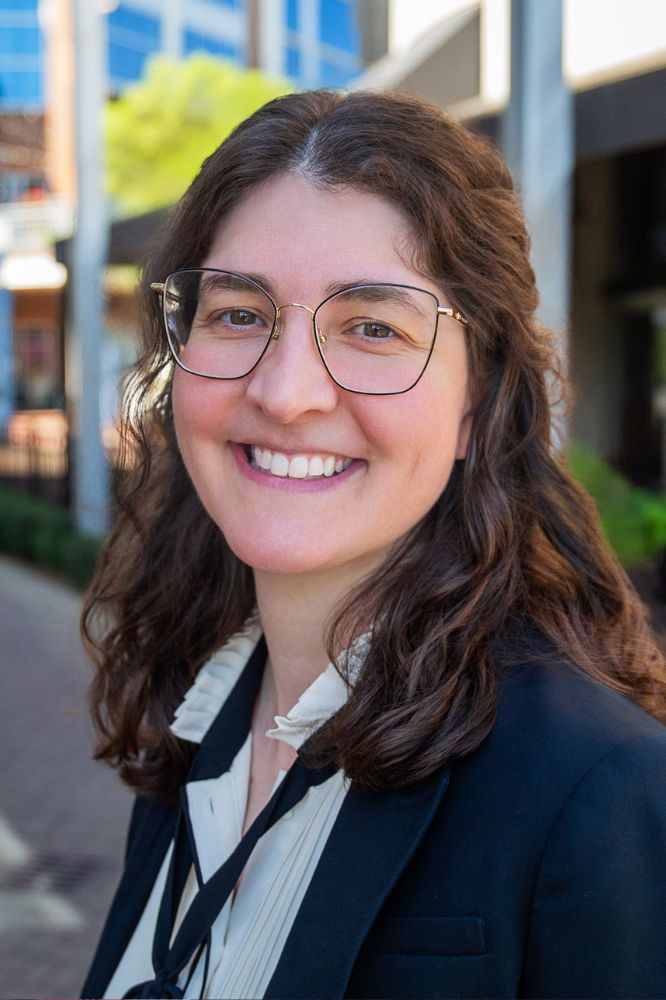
(311, 42)
(460, 54)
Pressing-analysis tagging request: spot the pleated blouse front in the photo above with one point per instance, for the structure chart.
(250, 932)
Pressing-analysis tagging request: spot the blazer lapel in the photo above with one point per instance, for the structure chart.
(372, 840)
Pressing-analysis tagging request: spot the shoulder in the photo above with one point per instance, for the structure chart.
(554, 728)
(552, 702)
(590, 794)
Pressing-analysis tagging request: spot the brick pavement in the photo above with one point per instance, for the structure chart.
(62, 816)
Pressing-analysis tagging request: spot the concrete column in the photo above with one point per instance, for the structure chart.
(538, 143)
(85, 321)
(308, 16)
(6, 356)
(57, 21)
(271, 17)
(172, 28)
(6, 336)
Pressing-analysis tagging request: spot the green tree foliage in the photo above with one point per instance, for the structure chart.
(162, 128)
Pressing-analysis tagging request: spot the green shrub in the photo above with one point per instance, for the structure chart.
(34, 530)
(80, 558)
(633, 519)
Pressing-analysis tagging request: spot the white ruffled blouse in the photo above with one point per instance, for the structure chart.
(250, 932)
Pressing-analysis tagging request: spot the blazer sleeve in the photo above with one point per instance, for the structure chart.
(598, 922)
(150, 831)
(140, 811)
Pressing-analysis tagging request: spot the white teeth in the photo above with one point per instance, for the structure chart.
(298, 466)
(279, 465)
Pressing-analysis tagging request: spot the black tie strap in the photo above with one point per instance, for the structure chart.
(159, 987)
(193, 935)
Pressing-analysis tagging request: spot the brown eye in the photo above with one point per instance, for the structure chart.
(240, 317)
(372, 330)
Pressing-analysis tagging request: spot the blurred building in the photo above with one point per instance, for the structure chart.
(458, 54)
(454, 52)
(315, 44)
(312, 42)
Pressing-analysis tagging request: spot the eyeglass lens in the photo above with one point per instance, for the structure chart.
(372, 338)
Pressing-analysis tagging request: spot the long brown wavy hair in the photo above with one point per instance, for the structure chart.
(512, 540)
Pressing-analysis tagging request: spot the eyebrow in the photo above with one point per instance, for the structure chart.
(226, 279)
(387, 292)
(390, 289)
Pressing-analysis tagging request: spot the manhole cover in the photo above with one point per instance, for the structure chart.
(48, 870)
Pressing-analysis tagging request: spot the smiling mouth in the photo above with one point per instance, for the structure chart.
(302, 466)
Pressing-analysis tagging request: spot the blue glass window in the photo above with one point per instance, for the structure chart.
(332, 75)
(20, 31)
(228, 3)
(21, 49)
(125, 64)
(294, 62)
(195, 42)
(338, 24)
(21, 90)
(132, 38)
(19, 41)
(292, 15)
(142, 25)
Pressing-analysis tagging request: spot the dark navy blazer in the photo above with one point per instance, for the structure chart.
(533, 867)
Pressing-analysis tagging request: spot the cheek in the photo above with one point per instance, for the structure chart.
(199, 407)
(188, 411)
(419, 437)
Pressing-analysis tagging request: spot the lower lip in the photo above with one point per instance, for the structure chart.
(317, 485)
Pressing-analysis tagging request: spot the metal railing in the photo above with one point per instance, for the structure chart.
(34, 456)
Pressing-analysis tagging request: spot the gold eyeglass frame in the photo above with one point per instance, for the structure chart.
(159, 287)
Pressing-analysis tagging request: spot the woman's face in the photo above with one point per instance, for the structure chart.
(305, 240)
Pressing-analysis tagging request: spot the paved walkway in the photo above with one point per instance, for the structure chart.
(62, 815)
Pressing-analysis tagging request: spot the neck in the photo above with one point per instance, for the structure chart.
(294, 614)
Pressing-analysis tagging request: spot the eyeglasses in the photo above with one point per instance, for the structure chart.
(374, 338)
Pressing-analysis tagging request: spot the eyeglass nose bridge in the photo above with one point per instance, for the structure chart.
(295, 305)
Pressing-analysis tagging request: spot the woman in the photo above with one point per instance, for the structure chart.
(417, 748)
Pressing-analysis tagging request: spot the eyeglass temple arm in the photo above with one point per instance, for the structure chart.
(159, 287)
(452, 313)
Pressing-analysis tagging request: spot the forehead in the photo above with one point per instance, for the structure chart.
(304, 236)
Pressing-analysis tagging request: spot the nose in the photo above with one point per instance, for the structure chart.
(291, 380)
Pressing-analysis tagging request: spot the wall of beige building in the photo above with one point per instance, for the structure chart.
(60, 159)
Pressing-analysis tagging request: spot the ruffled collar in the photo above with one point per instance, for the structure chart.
(216, 679)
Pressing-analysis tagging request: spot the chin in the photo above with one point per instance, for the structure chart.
(278, 558)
